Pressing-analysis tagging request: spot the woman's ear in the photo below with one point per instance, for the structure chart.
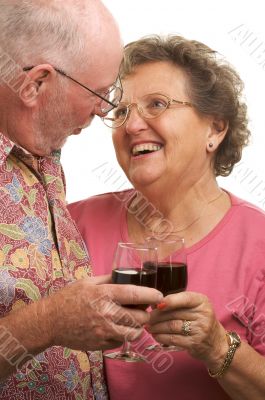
(217, 133)
(36, 82)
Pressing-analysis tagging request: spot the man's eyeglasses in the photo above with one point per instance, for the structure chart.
(110, 98)
(149, 106)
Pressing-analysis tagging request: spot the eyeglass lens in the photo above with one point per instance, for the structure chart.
(149, 106)
(114, 96)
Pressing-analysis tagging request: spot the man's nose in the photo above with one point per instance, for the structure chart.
(97, 109)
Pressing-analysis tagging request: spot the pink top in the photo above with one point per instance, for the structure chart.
(228, 265)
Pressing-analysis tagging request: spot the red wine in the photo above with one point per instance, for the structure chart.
(135, 276)
(171, 277)
(145, 276)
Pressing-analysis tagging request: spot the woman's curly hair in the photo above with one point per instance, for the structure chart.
(215, 88)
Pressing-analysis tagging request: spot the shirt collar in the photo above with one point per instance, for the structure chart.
(6, 146)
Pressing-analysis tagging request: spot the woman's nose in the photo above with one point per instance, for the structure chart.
(135, 122)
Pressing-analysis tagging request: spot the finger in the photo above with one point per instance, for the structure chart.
(132, 294)
(167, 327)
(182, 300)
(111, 311)
(124, 332)
(157, 316)
(135, 317)
(182, 342)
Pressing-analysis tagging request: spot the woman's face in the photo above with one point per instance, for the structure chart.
(177, 138)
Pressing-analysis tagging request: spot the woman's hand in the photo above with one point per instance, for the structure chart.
(206, 337)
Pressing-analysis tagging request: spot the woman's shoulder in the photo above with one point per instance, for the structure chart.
(246, 220)
(246, 208)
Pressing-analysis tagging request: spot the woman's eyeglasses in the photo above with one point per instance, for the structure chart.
(149, 106)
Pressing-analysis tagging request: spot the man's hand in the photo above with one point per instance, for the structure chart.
(88, 314)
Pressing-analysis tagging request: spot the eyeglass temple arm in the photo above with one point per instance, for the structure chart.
(74, 80)
(185, 103)
(85, 87)
(108, 118)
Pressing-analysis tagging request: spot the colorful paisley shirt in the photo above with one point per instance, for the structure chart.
(41, 251)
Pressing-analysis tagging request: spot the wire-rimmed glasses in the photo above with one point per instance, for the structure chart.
(149, 106)
(110, 98)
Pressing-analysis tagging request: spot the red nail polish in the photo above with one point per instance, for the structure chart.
(161, 306)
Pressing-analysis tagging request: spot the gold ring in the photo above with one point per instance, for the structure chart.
(185, 330)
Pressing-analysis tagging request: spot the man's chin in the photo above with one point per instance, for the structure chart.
(44, 151)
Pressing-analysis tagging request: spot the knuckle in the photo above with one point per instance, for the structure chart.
(126, 318)
(102, 291)
(134, 296)
(109, 315)
(99, 332)
(173, 326)
(173, 339)
(204, 299)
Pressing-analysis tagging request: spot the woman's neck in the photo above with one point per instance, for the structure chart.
(190, 212)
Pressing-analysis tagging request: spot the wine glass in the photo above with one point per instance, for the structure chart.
(134, 264)
(172, 274)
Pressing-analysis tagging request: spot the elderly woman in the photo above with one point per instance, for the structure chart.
(180, 124)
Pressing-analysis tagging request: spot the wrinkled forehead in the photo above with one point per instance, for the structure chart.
(155, 77)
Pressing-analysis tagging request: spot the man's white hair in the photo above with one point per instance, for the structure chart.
(47, 31)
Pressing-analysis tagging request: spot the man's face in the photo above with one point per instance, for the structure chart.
(66, 107)
(51, 124)
(69, 108)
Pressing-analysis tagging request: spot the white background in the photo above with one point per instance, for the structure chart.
(234, 28)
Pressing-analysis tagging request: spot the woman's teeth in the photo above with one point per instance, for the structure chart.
(145, 148)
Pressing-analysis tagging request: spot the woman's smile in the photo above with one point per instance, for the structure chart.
(145, 149)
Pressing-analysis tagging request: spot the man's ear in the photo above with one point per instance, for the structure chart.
(35, 83)
(219, 128)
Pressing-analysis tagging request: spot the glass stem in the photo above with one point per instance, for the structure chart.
(125, 347)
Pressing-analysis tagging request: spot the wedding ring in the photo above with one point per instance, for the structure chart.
(185, 330)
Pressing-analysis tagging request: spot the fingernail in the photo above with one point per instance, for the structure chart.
(161, 306)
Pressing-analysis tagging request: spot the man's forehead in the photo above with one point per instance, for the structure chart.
(103, 67)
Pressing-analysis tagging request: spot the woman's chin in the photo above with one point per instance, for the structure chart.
(143, 180)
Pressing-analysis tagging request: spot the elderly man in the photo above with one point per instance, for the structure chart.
(59, 62)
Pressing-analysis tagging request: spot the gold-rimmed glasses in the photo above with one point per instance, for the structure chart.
(110, 98)
(149, 106)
